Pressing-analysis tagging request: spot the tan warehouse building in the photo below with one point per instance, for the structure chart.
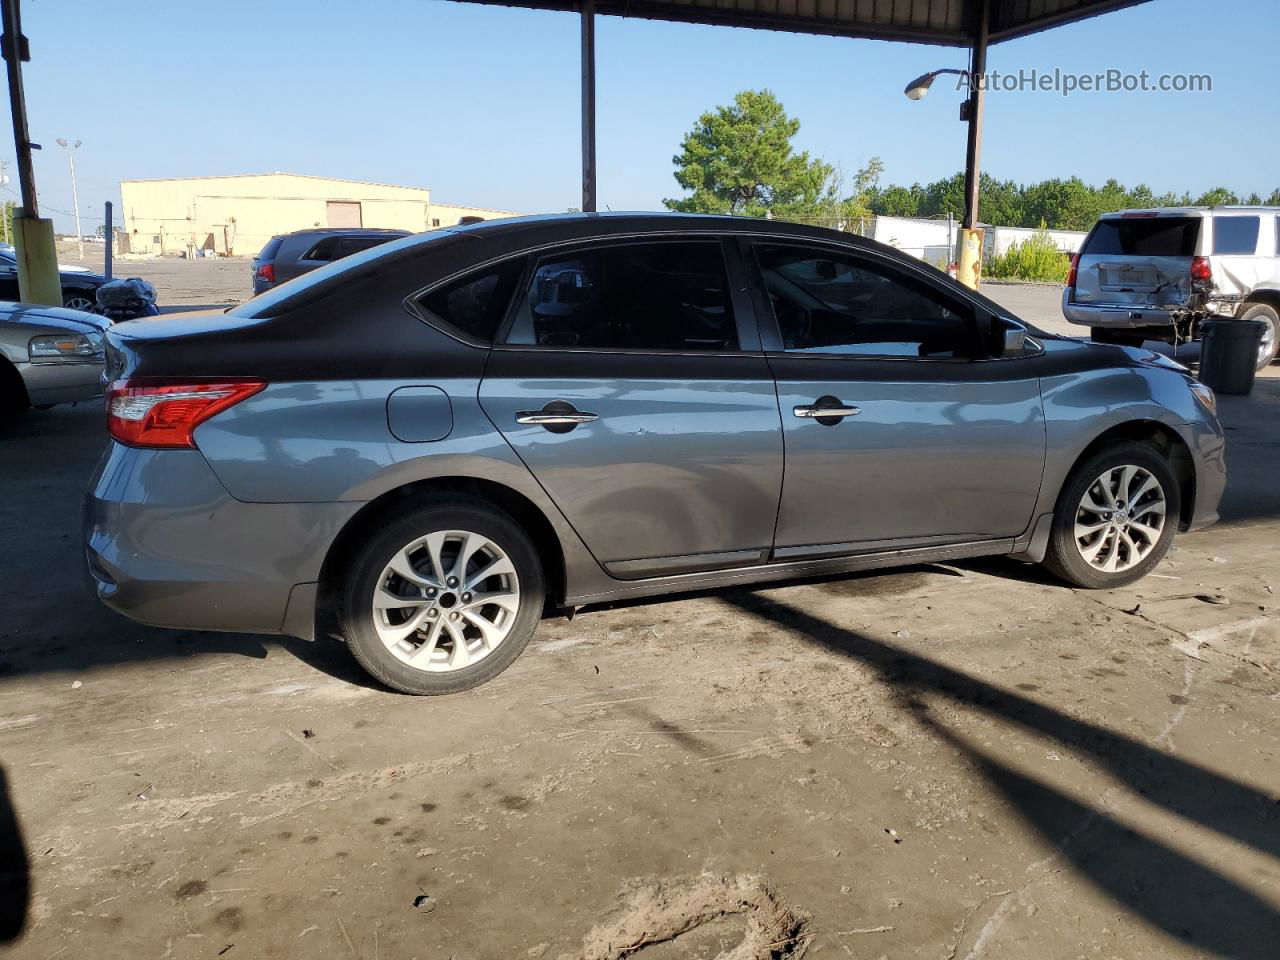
(236, 215)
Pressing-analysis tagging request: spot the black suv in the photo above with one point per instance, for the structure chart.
(293, 254)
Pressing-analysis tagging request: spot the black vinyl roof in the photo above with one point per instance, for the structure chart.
(947, 22)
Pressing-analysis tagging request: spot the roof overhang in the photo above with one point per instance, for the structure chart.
(946, 22)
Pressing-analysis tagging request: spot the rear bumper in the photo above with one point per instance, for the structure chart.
(1113, 316)
(168, 546)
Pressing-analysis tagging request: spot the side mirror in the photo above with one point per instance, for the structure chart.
(1015, 341)
(1007, 338)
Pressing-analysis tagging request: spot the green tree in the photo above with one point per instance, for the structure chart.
(1216, 195)
(897, 201)
(739, 159)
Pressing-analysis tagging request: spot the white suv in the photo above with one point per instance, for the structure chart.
(1156, 274)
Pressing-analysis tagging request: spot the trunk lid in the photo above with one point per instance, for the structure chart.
(1138, 261)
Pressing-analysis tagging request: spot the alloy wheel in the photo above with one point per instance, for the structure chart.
(79, 303)
(1268, 342)
(1120, 518)
(446, 601)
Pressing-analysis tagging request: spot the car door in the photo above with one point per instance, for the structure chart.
(629, 379)
(898, 432)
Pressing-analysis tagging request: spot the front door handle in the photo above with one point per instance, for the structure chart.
(558, 416)
(826, 410)
(559, 419)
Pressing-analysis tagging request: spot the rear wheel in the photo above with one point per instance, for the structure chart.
(79, 301)
(1115, 518)
(1270, 336)
(442, 598)
(1124, 338)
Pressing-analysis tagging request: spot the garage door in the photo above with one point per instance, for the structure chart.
(343, 213)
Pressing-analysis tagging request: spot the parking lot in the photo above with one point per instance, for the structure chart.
(947, 761)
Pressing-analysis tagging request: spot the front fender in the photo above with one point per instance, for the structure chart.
(1097, 388)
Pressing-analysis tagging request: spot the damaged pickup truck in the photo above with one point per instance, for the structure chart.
(1156, 274)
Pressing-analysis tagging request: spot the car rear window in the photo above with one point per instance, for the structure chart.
(1237, 235)
(475, 303)
(335, 248)
(635, 296)
(1146, 237)
(272, 247)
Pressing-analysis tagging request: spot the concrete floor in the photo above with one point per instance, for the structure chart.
(942, 762)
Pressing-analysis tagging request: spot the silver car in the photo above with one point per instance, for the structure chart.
(48, 355)
(1157, 274)
(438, 436)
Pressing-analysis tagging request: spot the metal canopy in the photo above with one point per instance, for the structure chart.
(946, 22)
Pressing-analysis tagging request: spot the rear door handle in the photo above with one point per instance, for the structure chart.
(558, 416)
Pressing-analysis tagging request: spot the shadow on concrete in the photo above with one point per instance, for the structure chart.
(15, 871)
(1184, 898)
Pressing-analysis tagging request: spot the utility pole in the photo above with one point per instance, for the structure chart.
(969, 267)
(33, 238)
(75, 196)
(4, 209)
(588, 106)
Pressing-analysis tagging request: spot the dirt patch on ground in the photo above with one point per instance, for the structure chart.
(659, 911)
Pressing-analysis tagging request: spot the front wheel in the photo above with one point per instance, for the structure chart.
(1115, 517)
(442, 598)
(1270, 336)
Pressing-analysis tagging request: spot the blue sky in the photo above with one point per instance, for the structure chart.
(481, 103)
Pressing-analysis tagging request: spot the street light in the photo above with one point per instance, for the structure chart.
(970, 255)
(969, 260)
(75, 196)
(918, 87)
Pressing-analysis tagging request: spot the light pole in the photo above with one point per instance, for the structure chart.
(75, 196)
(4, 207)
(970, 257)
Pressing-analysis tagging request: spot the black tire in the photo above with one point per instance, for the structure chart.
(1270, 316)
(370, 559)
(1123, 338)
(1064, 558)
(13, 395)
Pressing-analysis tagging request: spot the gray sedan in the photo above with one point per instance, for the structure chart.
(48, 355)
(435, 436)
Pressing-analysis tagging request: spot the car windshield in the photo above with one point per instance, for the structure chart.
(269, 302)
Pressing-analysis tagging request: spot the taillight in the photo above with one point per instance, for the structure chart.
(265, 272)
(165, 413)
(1200, 269)
(1071, 272)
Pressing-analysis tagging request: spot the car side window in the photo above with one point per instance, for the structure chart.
(826, 301)
(1235, 235)
(475, 304)
(671, 295)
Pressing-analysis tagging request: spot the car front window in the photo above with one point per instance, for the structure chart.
(834, 303)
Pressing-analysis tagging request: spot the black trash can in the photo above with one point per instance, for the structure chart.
(1229, 354)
